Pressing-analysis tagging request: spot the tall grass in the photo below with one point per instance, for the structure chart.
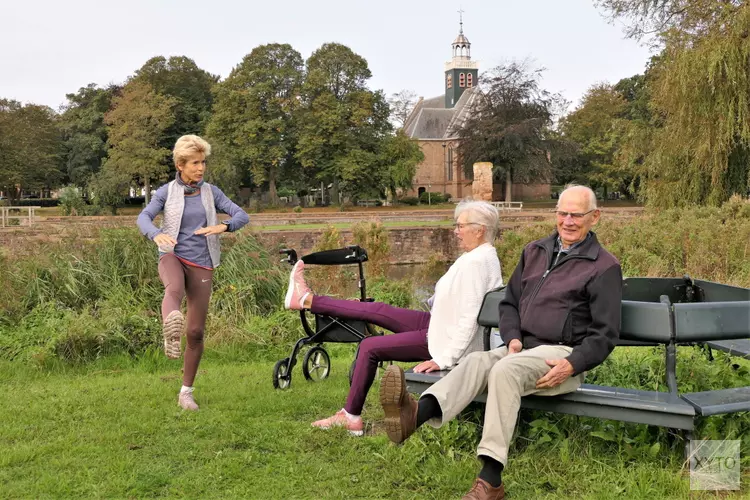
(84, 298)
(704, 242)
(80, 300)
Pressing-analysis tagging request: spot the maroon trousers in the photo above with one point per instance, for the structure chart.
(409, 342)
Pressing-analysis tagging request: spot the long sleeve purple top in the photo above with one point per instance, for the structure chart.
(191, 247)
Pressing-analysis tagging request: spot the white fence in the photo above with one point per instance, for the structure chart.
(5, 215)
(507, 205)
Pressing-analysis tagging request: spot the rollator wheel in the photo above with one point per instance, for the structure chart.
(317, 364)
(282, 375)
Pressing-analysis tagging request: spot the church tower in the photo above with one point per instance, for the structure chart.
(461, 72)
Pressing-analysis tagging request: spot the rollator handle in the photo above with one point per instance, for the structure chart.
(291, 255)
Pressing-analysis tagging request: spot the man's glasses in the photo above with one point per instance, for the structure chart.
(574, 215)
(462, 225)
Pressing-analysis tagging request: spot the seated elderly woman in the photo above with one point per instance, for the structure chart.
(439, 338)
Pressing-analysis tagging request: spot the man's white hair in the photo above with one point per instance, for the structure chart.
(481, 213)
(587, 190)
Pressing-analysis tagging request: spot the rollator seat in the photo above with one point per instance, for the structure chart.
(350, 255)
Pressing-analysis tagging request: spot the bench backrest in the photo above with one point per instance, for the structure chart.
(641, 321)
(707, 321)
(651, 322)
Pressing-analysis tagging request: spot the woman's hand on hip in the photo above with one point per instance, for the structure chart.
(426, 367)
(164, 240)
(217, 229)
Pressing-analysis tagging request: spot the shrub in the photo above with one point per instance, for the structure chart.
(373, 237)
(434, 198)
(71, 201)
(297, 209)
(398, 293)
(109, 187)
(409, 200)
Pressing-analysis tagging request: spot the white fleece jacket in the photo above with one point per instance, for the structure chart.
(453, 331)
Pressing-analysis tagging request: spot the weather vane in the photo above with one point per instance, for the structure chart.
(461, 18)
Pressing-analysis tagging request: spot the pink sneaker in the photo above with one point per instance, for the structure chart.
(355, 427)
(298, 289)
(186, 401)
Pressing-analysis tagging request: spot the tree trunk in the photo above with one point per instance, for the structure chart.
(272, 186)
(335, 197)
(509, 185)
(605, 195)
(147, 188)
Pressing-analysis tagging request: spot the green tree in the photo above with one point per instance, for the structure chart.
(190, 87)
(401, 104)
(31, 147)
(109, 188)
(700, 152)
(510, 126)
(597, 127)
(136, 123)
(399, 156)
(342, 122)
(254, 113)
(84, 131)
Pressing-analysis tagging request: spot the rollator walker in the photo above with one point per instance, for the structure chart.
(316, 365)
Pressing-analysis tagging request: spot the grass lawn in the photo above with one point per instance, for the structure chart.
(112, 429)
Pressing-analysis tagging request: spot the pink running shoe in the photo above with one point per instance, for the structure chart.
(298, 289)
(186, 401)
(355, 427)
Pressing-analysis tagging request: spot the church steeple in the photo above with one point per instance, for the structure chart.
(461, 72)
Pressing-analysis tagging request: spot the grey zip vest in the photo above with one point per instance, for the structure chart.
(173, 208)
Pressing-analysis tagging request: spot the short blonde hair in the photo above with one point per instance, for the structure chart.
(482, 213)
(188, 145)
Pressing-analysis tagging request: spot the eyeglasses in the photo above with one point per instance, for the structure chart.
(574, 215)
(462, 225)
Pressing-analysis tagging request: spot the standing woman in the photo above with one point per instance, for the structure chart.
(189, 251)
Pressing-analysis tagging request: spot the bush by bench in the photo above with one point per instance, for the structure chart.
(655, 311)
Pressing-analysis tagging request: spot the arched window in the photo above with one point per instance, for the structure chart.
(469, 80)
(450, 163)
(449, 81)
(461, 80)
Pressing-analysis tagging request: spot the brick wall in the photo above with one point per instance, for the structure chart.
(408, 246)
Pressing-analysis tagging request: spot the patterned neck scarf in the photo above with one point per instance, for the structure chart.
(189, 188)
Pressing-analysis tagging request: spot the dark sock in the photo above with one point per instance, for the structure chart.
(492, 471)
(428, 408)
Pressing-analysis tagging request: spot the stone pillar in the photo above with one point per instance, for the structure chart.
(481, 188)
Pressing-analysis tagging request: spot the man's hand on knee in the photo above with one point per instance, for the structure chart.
(560, 372)
(515, 346)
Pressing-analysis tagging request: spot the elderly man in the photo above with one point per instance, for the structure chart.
(560, 317)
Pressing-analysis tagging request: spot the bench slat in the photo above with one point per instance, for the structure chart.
(645, 321)
(739, 347)
(703, 321)
(721, 401)
(660, 402)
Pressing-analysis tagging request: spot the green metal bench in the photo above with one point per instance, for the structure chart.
(655, 311)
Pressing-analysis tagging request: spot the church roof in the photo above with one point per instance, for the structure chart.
(431, 120)
(461, 40)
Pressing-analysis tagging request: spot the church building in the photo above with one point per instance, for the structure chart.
(435, 123)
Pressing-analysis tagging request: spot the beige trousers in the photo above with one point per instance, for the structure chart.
(507, 379)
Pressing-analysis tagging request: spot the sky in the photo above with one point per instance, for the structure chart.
(52, 48)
